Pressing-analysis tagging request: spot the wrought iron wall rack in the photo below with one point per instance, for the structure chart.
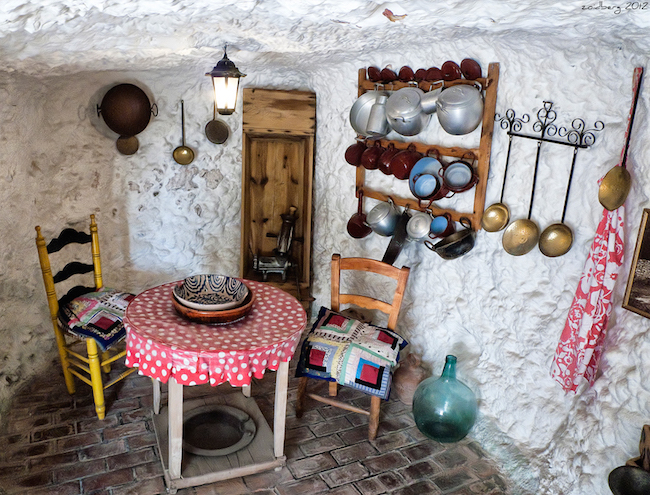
(578, 136)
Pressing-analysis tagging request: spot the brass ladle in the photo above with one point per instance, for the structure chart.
(183, 155)
(522, 235)
(496, 216)
(615, 186)
(557, 238)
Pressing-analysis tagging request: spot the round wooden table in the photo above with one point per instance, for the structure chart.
(177, 351)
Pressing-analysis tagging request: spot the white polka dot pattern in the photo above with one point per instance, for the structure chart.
(162, 344)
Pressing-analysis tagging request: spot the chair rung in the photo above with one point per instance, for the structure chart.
(79, 356)
(80, 376)
(81, 366)
(339, 404)
(113, 358)
(123, 375)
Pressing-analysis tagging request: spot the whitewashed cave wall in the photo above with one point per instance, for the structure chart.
(501, 315)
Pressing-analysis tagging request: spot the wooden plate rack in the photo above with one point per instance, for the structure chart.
(482, 153)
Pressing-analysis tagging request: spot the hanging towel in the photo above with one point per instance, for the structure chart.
(581, 343)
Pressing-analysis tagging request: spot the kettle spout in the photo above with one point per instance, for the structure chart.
(429, 101)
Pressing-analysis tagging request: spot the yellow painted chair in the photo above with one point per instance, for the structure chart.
(349, 352)
(91, 313)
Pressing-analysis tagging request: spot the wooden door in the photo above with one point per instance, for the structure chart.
(277, 174)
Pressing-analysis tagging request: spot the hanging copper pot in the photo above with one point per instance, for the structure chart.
(126, 109)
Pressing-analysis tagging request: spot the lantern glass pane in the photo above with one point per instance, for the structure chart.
(225, 94)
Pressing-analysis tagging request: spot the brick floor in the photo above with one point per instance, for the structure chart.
(53, 444)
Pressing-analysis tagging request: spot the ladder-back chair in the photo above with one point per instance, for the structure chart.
(352, 353)
(91, 313)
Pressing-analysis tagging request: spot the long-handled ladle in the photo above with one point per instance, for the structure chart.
(615, 186)
(557, 238)
(522, 235)
(496, 216)
(183, 155)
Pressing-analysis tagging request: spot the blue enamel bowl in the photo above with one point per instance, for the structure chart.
(424, 179)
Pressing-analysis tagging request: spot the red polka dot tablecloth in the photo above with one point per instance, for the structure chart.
(161, 343)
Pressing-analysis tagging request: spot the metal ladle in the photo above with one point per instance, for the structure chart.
(496, 216)
(522, 235)
(557, 238)
(615, 186)
(183, 155)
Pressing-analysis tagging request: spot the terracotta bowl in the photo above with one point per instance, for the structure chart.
(219, 317)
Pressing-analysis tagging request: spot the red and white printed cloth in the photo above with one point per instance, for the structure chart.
(160, 343)
(581, 344)
(578, 352)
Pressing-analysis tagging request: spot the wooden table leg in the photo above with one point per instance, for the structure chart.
(175, 407)
(156, 395)
(280, 408)
(246, 390)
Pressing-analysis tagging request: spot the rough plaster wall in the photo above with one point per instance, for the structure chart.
(159, 221)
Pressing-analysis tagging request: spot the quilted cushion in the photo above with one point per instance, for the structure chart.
(98, 315)
(350, 352)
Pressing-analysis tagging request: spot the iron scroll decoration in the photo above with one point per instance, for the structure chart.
(577, 136)
(510, 122)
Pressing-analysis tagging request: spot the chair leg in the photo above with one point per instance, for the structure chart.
(333, 389)
(300, 398)
(106, 368)
(373, 422)
(63, 355)
(96, 378)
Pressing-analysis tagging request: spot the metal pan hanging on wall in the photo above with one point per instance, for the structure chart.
(217, 131)
(127, 145)
(126, 109)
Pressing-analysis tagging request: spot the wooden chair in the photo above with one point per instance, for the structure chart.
(342, 298)
(90, 313)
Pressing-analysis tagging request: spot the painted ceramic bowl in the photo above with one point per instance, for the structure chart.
(211, 292)
(221, 317)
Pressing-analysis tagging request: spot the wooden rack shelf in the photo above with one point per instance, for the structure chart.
(482, 153)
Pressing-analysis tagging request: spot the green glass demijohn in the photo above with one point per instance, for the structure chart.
(444, 408)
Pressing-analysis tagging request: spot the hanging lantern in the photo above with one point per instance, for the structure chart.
(225, 79)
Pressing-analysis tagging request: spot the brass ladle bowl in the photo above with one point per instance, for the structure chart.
(183, 155)
(557, 238)
(615, 186)
(520, 237)
(495, 217)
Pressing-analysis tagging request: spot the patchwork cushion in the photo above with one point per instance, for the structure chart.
(98, 315)
(350, 352)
